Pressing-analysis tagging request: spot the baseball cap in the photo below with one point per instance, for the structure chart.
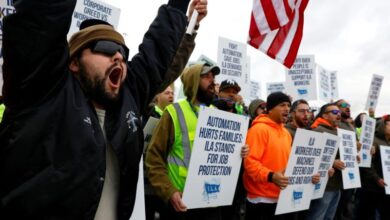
(229, 83)
(210, 68)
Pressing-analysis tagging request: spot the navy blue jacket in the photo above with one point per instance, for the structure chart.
(52, 149)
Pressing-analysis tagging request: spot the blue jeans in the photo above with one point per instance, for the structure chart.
(324, 208)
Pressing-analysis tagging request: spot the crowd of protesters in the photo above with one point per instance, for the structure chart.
(91, 104)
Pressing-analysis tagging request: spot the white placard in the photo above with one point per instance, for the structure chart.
(255, 90)
(327, 158)
(232, 60)
(93, 9)
(301, 80)
(139, 205)
(276, 87)
(324, 85)
(334, 93)
(348, 153)
(385, 158)
(7, 8)
(366, 139)
(302, 164)
(375, 89)
(148, 130)
(215, 159)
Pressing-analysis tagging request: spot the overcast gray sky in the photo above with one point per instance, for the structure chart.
(350, 36)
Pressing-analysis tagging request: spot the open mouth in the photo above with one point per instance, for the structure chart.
(115, 77)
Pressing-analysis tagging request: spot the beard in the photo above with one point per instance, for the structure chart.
(94, 87)
(205, 97)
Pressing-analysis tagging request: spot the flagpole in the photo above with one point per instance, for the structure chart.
(191, 25)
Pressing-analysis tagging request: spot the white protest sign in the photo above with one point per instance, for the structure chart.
(334, 92)
(366, 139)
(327, 158)
(324, 84)
(385, 158)
(215, 159)
(7, 8)
(93, 9)
(348, 153)
(301, 80)
(276, 87)
(148, 130)
(302, 165)
(232, 60)
(255, 90)
(375, 89)
(139, 205)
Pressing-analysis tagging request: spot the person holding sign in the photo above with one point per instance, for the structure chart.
(347, 206)
(325, 208)
(169, 152)
(373, 196)
(153, 204)
(87, 99)
(270, 146)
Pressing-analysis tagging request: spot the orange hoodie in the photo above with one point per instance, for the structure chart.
(270, 146)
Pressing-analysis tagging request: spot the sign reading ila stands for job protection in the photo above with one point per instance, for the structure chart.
(301, 80)
(303, 163)
(385, 158)
(366, 139)
(375, 89)
(348, 153)
(215, 159)
(328, 155)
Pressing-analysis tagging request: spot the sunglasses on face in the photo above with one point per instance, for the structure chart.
(109, 48)
(335, 111)
(345, 105)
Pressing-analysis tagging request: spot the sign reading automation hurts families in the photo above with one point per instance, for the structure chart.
(215, 159)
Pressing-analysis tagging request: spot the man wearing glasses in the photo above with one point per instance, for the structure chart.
(300, 113)
(325, 208)
(71, 137)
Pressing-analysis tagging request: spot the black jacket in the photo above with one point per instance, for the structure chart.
(52, 149)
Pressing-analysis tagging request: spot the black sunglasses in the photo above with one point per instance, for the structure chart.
(109, 48)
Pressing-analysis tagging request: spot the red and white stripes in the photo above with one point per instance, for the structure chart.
(270, 33)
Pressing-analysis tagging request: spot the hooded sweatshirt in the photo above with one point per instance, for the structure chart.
(270, 146)
(163, 139)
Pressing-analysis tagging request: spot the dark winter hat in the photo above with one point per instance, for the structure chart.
(276, 98)
(229, 83)
(92, 33)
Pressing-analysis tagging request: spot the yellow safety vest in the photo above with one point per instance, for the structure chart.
(184, 121)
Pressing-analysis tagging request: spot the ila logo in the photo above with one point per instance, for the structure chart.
(211, 189)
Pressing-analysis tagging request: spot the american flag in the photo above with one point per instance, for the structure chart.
(276, 28)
